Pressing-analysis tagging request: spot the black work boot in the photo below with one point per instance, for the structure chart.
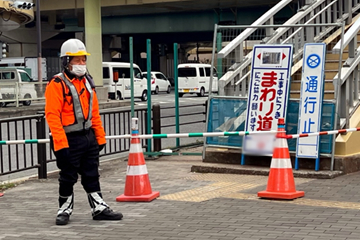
(108, 214)
(100, 210)
(66, 207)
(62, 219)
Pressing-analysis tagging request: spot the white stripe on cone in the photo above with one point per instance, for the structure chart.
(135, 148)
(280, 163)
(280, 143)
(136, 170)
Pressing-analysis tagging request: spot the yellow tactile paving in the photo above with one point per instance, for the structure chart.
(216, 177)
(231, 185)
(300, 201)
(213, 190)
(224, 185)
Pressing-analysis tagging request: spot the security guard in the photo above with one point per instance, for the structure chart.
(77, 134)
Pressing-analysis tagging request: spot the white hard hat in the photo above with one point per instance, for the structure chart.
(73, 47)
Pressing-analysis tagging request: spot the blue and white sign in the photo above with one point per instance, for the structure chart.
(311, 97)
(268, 95)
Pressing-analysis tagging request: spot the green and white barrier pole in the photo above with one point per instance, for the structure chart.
(177, 128)
(148, 61)
(131, 76)
(152, 136)
(206, 134)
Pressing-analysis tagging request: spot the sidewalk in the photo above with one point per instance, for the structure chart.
(191, 206)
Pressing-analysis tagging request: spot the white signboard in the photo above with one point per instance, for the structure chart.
(311, 97)
(268, 95)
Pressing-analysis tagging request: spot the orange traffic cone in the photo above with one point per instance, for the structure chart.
(281, 184)
(137, 184)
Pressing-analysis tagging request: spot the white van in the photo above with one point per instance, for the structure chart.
(12, 81)
(195, 78)
(121, 72)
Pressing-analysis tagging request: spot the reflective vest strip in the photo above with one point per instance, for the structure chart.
(80, 122)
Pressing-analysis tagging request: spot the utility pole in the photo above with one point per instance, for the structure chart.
(38, 29)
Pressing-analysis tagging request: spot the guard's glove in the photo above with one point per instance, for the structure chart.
(101, 147)
(63, 153)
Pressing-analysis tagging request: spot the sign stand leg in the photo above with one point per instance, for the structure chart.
(296, 163)
(317, 164)
(242, 159)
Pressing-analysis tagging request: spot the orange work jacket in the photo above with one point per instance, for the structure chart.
(59, 110)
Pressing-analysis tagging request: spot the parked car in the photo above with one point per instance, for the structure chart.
(15, 81)
(120, 72)
(159, 83)
(195, 78)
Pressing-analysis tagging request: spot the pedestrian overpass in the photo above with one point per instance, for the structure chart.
(335, 23)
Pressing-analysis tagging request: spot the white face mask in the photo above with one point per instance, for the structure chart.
(78, 70)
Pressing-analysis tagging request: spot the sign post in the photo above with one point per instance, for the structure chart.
(311, 97)
(268, 96)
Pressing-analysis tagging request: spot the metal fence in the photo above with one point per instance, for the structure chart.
(16, 157)
(159, 119)
(22, 157)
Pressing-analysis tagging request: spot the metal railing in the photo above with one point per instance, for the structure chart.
(314, 22)
(118, 123)
(346, 82)
(16, 157)
(21, 157)
(158, 126)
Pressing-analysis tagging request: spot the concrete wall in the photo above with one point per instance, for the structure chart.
(348, 144)
(47, 5)
(22, 49)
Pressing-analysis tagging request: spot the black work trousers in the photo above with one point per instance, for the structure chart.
(83, 160)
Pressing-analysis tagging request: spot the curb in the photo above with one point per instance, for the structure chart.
(251, 170)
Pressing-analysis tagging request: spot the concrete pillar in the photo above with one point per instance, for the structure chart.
(92, 15)
(92, 10)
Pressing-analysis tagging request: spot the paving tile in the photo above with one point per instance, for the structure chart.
(226, 207)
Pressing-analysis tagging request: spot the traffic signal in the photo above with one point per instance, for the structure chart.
(23, 5)
(4, 50)
(161, 49)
